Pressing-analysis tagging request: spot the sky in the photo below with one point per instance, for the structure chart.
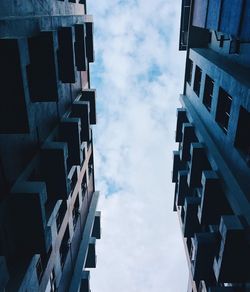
(138, 74)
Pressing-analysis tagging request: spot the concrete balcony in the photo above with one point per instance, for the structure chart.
(213, 200)
(80, 109)
(191, 223)
(184, 26)
(80, 48)
(89, 40)
(96, 231)
(43, 76)
(233, 257)
(181, 119)
(209, 194)
(188, 137)
(182, 188)
(27, 230)
(69, 131)
(204, 247)
(91, 256)
(54, 157)
(14, 117)
(198, 163)
(33, 272)
(85, 282)
(66, 64)
(177, 165)
(89, 95)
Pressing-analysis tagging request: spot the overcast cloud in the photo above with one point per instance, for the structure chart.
(138, 74)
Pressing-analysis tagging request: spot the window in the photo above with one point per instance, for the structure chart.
(197, 80)
(189, 71)
(84, 186)
(75, 211)
(60, 215)
(208, 92)
(242, 140)
(39, 270)
(223, 109)
(64, 247)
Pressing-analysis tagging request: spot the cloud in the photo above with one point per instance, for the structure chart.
(138, 74)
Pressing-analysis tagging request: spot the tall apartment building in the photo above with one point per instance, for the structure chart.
(48, 218)
(211, 168)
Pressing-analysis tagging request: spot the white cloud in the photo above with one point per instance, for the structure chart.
(138, 75)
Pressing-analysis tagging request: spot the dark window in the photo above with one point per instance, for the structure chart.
(189, 71)
(208, 92)
(75, 211)
(60, 215)
(74, 179)
(242, 140)
(197, 80)
(84, 186)
(64, 246)
(223, 109)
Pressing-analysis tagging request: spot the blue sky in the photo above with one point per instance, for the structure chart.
(138, 74)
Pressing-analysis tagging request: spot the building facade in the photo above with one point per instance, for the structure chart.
(211, 168)
(48, 218)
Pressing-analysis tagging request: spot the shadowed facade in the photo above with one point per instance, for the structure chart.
(211, 168)
(48, 218)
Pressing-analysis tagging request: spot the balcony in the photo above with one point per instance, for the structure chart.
(54, 169)
(80, 48)
(233, 257)
(185, 12)
(27, 274)
(66, 64)
(80, 109)
(13, 107)
(4, 274)
(91, 256)
(28, 230)
(204, 247)
(191, 224)
(42, 71)
(188, 137)
(89, 95)
(85, 282)
(198, 163)
(96, 231)
(182, 189)
(177, 165)
(181, 119)
(89, 41)
(213, 200)
(69, 131)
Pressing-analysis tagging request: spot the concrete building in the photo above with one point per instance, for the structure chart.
(48, 218)
(211, 168)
